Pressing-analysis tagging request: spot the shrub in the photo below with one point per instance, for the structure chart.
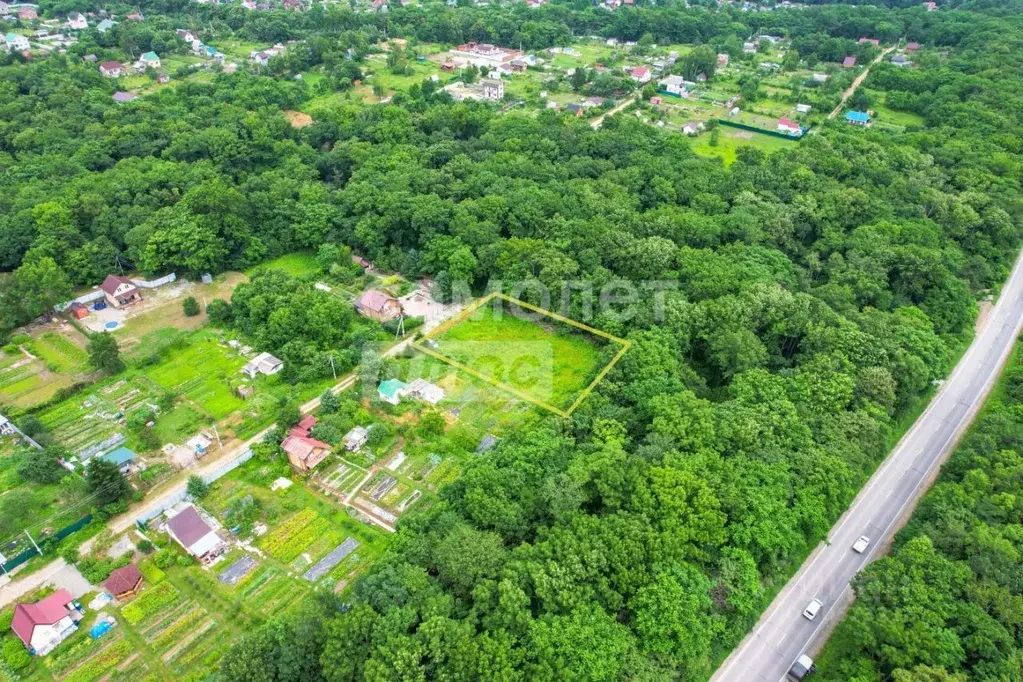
(190, 306)
(164, 558)
(184, 560)
(15, 655)
(145, 546)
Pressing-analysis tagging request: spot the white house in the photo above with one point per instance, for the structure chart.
(45, 624)
(355, 438)
(14, 41)
(676, 85)
(803, 108)
(76, 22)
(492, 89)
(425, 391)
(264, 363)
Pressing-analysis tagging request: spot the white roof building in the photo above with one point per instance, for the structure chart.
(264, 363)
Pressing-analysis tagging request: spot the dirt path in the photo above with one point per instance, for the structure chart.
(856, 83)
(600, 119)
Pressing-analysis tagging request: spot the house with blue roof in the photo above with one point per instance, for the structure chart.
(123, 457)
(858, 118)
(105, 25)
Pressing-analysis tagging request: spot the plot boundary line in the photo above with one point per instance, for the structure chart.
(421, 346)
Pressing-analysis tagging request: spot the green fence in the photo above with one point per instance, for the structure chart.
(59, 535)
(762, 131)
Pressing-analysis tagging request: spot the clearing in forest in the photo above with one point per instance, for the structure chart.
(548, 360)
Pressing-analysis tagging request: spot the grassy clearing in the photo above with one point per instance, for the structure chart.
(547, 363)
(203, 372)
(731, 139)
(298, 264)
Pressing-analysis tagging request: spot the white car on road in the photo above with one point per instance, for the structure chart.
(861, 544)
(810, 612)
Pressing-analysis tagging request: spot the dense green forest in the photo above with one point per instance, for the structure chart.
(820, 291)
(947, 605)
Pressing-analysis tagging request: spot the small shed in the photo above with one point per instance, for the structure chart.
(124, 583)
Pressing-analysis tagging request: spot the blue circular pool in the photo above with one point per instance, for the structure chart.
(112, 324)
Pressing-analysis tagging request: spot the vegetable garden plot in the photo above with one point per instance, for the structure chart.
(237, 570)
(328, 562)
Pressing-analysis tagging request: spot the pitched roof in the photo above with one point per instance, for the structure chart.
(303, 427)
(121, 455)
(111, 283)
(44, 612)
(849, 61)
(123, 579)
(374, 300)
(150, 56)
(302, 447)
(391, 387)
(188, 526)
(110, 66)
(858, 116)
(123, 97)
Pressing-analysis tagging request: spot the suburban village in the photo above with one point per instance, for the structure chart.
(217, 525)
(239, 485)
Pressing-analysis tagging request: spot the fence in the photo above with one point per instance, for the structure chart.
(180, 495)
(762, 131)
(59, 535)
(152, 284)
(96, 295)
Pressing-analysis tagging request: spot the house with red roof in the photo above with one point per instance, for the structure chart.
(640, 74)
(47, 623)
(124, 583)
(120, 291)
(789, 127)
(111, 69)
(912, 47)
(849, 62)
(377, 305)
(873, 41)
(304, 452)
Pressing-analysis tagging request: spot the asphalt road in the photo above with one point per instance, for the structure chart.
(882, 506)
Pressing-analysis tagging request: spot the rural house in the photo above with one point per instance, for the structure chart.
(304, 452)
(640, 74)
(76, 22)
(123, 457)
(391, 390)
(124, 583)
(858, 118)
(355, 438)
(148, 60)
(194, 535)
(105, 25)
(124, 97)
(111, 70)
(492, 89)
(789, 127)
(849, 62)
(377, 305)
(264, 363)
(47, 623)
(674, 85)
(120, 291)
(16, 42)
(425, 391)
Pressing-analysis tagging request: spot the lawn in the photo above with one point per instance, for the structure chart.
(58, 362)
(730, 139)
(884, 114)
(203, 372)
(297, 264)
(547, 363)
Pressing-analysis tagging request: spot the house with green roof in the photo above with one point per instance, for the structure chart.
(391, 391)
(148, 60)
(122, 457)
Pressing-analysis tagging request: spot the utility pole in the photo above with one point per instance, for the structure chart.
(332, 368)
(217, 434)
(33, 541)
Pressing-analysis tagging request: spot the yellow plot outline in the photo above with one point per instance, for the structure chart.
(421, 346)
